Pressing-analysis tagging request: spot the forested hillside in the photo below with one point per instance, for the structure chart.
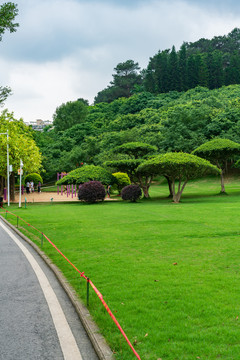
(210, 63)
(173, 121)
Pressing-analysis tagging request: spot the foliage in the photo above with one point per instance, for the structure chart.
(136, 150)
(125, 78)
(36, 178)
(179, 167)
(91, 192)
(131, 192)
(8, 12)
(128, 166)
(69, 114)
(21, 145)
(218, 151)
(87, 173)
(122, 179)
(174, 121)
(211, 63)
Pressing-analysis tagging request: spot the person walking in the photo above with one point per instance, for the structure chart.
(108, 190)
(39, 187)
(27, 187)
(32, 186)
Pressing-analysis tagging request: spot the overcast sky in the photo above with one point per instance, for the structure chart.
(67, 49)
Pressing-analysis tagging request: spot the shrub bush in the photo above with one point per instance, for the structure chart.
(131, 192)
(36, 178)
(122, 180)
(92, 191)
(87, 173)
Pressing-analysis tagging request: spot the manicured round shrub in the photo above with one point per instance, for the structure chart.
(92, 191)
(87, 173)
(122, 180)
(131, 192)
(36, 178)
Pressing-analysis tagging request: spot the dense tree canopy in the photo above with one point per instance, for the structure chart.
(21, 145)
(87, 173)
(8, 12)
(69, 114)
(136, 152)
(211, 63)
(125, 78)
(218, 151)
(176, 121)
(180, 167)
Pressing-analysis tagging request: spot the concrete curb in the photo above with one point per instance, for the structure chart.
(100, 346)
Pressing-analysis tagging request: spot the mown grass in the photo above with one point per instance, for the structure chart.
(170, 273)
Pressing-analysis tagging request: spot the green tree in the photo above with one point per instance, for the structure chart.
(21, 146)
(218, 151)
(182, 64)
(178, 167)
(126, 77)
(174, 70)
(8, 12)
(87, 173)
(122, 180)
(69, 114)
(135, 152)
(36, 178)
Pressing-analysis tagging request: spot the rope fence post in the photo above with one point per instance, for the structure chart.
(87, 292)
(17, 221)
(42, 241)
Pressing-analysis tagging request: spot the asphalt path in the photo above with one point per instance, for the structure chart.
(37, 319)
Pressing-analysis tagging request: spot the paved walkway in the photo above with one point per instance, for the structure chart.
(50, 196)
(38, 321)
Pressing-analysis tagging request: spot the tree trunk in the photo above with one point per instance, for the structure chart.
(222, 178)
(145, 189)
(222, 183)
(2, 184)
(145, 183)
(12, 186)
(169, 187)
(177, 196)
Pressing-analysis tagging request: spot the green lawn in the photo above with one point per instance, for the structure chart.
(170, 273)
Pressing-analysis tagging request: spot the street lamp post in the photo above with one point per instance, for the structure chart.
(20, 186)
(8, 188)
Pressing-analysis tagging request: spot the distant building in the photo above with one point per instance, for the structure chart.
(39, 124)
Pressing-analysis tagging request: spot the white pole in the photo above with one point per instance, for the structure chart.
(8, 187)
(7, 166)
(20, 186)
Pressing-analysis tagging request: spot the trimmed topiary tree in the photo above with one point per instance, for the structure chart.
(87, 173)
(179, 167)
(136, 150)
(91, 192)
(122, 180)
(36, 178)
(218, 151)
(131, 192)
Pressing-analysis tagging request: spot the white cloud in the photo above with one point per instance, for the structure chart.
(66, 49)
